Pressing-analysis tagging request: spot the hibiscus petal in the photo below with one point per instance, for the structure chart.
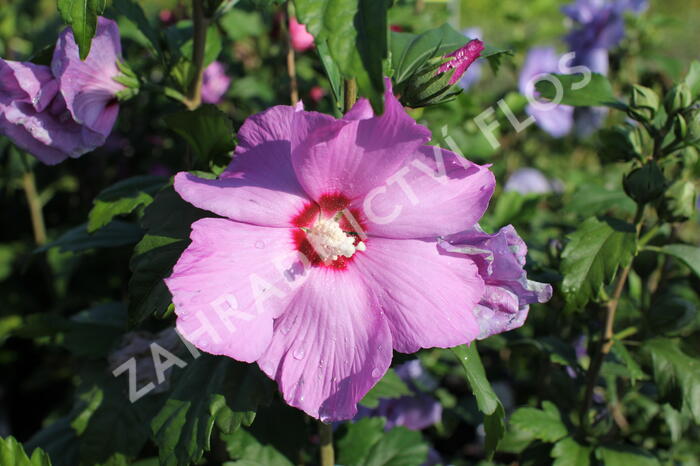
(50, 135)
(427, 297)
(231, 282)
(435, 193)
(259, 186)
(500, 258)
(88, 85)
(329, 347)
(352, 156)
(26, 82)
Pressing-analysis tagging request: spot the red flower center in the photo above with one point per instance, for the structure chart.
(329, 232)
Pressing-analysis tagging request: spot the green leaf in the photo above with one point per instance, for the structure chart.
(676, 374)
(355, 445)
(689, 255)
(597, 92)
(335, 78)
(92, 333)
(183, 427)
(122, 198)
(568, 452)
(543, 424)
(591, 258)
(390, 386)
(636, 372)
(692, 79)
(207, 130)
(81, 15)
(12, 454)
(59, 440)
(247, 450)
(116, 233)
(110, 425)
(592, 199)
(366, 444)
(135, 14)
(623, 455)
(495, 429)
(486, 399)
(355, 32)
(398, 447)
(240, 24)
(167, 221)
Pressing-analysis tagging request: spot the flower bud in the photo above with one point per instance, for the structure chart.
(622, 143)
(434, 82)
(678, 98)
(678, 202)
(693, 119)
(644, 103)
(644, 184)
(680, 127)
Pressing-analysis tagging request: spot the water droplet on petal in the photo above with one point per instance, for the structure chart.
(376, 372)
(260, 244)
(299, 354)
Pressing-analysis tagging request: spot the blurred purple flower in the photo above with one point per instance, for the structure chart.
(473, 74)
(415, 412)
(215, 83)
(500, 258)
(137, 345)
(555, 120)
(599, 27)
(68, 109)
(529, 181)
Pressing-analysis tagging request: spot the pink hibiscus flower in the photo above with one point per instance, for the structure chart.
(327, 257)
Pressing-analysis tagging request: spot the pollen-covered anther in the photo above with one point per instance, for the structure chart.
(330, 241)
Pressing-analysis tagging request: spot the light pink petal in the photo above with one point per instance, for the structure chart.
(259, 186)
(427, 297)
(230, 284)
(88, 86)
(353, 156)
(329, 347)
(435, 193)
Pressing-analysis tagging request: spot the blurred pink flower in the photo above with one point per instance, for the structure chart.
(317, 93)
(301, 39)
(215, 83)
